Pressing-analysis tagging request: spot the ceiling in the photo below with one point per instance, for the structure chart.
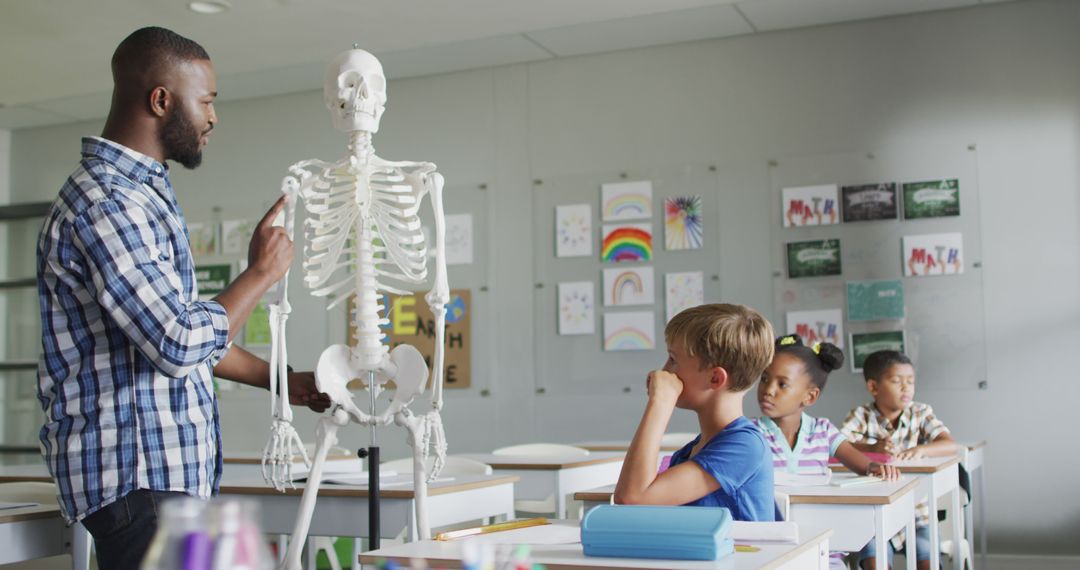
(55, 67)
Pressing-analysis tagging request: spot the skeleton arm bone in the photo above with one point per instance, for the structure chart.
(439, 296)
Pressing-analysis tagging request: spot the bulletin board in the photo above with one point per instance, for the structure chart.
(942, 316)
(578, 364)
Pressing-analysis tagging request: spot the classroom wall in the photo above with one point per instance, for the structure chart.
(1000, 76)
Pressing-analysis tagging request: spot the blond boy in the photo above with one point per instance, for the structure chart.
(715, 355)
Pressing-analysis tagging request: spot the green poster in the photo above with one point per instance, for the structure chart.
(875, 300)
(257, 329)
(931, 199)
(865, 344)
(813, 258)
(212, 279)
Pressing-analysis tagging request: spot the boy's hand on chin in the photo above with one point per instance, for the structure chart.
(663, 385)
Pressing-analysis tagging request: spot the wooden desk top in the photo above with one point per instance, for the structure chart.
(597, 495)
(256, 486)
(621, 445)
(40, 511)
(922, 466)
(565, 552)
(255, 458)
(545, 462)
(29, 472)
(884, 493)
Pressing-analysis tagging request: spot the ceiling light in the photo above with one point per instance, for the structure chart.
(209, 6)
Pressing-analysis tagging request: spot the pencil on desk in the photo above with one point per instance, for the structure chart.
(488, 529)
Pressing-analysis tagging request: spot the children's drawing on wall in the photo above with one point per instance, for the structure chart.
(629, 331)
(811, 206)
(813, 258)
(631, 286)
(576, 308)
(682, 223)
(626, 200)
(931, 199)
(459, 239)
(865, 344)
(826, 325)
(875, 300)
(204, 238)
(628, 242)
(682, 291)
(573, 230)
(257, 327)
(235, 236)
(933, 254)
(869, 202)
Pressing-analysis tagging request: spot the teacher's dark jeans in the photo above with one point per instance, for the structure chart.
(123, 530)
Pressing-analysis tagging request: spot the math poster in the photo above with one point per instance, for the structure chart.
(933, 199)
(869, 202)
(811, 206)
(817, 326)
(814, 258)
(411, 322)
(933, 254)
(865, 344)
(875, 300)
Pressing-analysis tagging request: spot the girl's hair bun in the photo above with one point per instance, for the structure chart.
(830, 355)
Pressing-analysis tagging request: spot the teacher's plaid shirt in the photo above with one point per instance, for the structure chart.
(125, 377)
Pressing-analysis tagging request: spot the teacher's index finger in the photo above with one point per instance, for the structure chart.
(272, 213)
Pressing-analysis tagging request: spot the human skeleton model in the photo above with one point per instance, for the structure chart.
(363, 232)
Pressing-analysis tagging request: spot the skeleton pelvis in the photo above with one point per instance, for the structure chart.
(337, 372)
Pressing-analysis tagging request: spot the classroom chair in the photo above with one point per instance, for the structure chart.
(677, 438)
(547, 505)
(541, 449)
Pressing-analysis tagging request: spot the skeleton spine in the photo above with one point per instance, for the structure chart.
(369, 338)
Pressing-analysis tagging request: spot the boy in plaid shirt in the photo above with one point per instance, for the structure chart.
(896, 425)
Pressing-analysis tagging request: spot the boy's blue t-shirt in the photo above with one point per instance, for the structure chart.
(740, 460)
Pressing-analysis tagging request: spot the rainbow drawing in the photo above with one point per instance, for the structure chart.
(626, 200)
(629, 286)
(629, 331)
(631, 242)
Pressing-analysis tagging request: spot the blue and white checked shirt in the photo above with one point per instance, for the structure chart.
(125, 377)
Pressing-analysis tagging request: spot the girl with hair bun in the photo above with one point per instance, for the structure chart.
(802, 444)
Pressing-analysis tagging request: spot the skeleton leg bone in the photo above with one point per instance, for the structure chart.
(326, 437)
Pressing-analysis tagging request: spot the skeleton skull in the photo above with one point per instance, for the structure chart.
(355, 91)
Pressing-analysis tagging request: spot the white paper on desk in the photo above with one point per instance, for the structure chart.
(783, 478)
(390, 479)
(548, 534)
(351, 465)
(352, 476)
(765, 532)
(5, 506)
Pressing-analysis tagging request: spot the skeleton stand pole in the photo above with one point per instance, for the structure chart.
(374, 532)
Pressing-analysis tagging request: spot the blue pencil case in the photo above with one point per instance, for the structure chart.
(673, 533)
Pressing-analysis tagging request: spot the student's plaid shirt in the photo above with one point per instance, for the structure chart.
(917, 425)
(125, 376)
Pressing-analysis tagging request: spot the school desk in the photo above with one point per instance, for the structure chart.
(558, 547)
(41, 527)
(937, 477)
(854, 514)
(341, 510)
(972, 456)
(558, 474)
(857, 514)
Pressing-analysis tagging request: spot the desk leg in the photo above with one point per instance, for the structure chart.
(910, 552)
(935, 535)
(357, 548)
(410, 520)
(881, 542)
(80, 547)
(969, 526)
(954, 507)
(560, 499)
(982, 516)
